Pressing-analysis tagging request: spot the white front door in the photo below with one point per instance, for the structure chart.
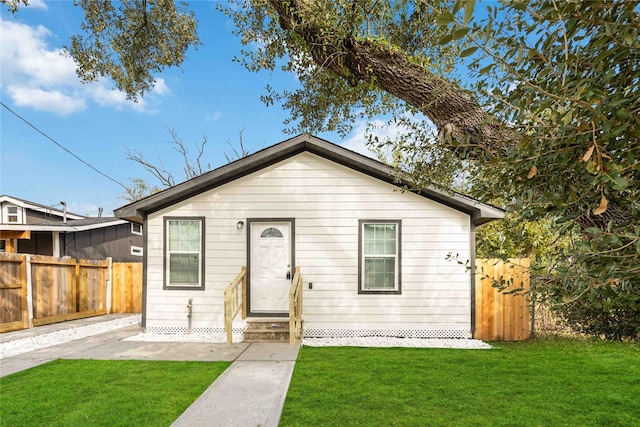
(271, 269)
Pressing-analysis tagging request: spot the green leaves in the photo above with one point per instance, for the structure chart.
(561, 74)
(561, 77)
(620, 182)
(468, 11)
(444, 19)
(131, 43)
(458, 32)
(468, 52)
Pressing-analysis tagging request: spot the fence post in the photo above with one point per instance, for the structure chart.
(29, 290)
(109, 284)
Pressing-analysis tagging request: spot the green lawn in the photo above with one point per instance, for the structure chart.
(541, 383)
(103, 393)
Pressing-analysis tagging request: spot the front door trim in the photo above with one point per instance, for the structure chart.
(292, 221)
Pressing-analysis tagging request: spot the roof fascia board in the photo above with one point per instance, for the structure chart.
(61, 227)
(480, 212)
(37, 207)
(135, 211)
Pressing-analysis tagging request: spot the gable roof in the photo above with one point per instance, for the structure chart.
(136, 211)
(37, 207)
(72, 225)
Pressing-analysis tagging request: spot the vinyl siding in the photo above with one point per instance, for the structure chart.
(326, 200)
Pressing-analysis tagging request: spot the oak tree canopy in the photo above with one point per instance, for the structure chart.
(538, 102)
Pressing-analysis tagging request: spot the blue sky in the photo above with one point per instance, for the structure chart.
(211, 95)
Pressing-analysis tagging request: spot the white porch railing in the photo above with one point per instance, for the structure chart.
(234, 301)
(295, 308)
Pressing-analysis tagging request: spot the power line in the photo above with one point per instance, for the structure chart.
(61, 146)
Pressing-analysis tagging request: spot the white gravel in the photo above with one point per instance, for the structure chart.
(324, 342)
(397, 342)
(24, 345)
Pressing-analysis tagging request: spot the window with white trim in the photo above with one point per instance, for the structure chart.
(379, 260)
(184, 253)
(13, 215)
(137, 251)
(136, 229)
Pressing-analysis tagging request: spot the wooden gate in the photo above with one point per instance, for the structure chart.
(13, 292)
(126, 287)
(501, 316)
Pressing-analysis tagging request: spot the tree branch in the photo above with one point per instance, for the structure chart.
(455, 112)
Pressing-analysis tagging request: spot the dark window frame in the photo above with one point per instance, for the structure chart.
(398, 288)
(165, 253)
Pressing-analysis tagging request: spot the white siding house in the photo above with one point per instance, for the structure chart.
(372, 255)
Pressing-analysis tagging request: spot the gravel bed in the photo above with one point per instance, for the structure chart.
(24, 345)
(324, 342)
(397, 342)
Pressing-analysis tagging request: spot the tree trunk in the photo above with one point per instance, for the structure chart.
(455, 112)
(461, 122)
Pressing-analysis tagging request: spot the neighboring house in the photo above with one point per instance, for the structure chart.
(371, 253)
(32, 228)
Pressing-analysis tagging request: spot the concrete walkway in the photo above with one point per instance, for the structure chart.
(250, 392)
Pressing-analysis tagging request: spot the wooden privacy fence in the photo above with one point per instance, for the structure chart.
(37, 290)
(501, 316)
(126, 287)
(64, 289)
(13, 292)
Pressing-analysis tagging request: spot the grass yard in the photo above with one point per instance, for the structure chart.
(103, 392)
(540, 383)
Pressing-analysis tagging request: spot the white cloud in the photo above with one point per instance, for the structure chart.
(48, 100)
(357, 140)
(40, 77)
(104, 95)
(38, 4)
(212, 117)
(160, 87)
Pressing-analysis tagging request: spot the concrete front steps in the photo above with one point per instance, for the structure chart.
(267, 329)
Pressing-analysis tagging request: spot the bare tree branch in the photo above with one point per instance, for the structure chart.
(237, 154)
(160, 172)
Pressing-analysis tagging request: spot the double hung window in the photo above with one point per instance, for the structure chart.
(379, 270)
(13, 215)
(184, 258)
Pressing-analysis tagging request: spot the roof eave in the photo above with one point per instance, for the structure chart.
(62, 227)
(38, 207)
(137, 211)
